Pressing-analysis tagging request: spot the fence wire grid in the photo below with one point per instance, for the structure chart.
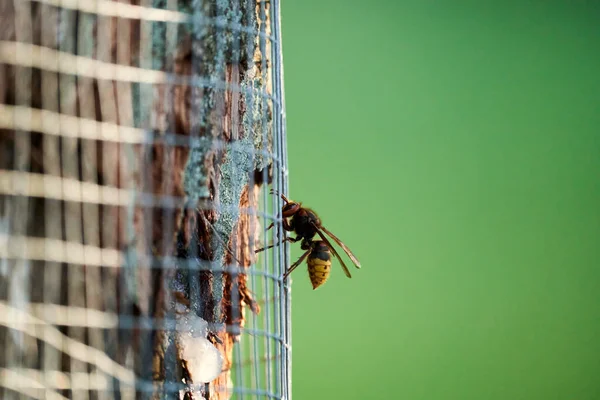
(138, 143)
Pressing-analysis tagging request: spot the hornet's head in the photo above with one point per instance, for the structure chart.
(290, 208)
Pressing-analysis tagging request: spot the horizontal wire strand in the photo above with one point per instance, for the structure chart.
(15, 183)
(62, 251)
(26, 383)
(57, 315)
(47, 59)
(57, 124)
(111, 8)
(22, 379)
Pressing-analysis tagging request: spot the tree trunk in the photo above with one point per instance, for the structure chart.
(134, 193)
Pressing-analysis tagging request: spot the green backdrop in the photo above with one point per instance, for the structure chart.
(455, 147)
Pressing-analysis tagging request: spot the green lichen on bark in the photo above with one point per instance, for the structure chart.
(195, 174)
(218, 41)
(257, 119)
(235, 170)
(232, 30)
(159, 31)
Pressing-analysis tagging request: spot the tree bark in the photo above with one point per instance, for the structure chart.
(186, 251)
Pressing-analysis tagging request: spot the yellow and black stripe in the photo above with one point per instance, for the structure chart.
(319, 263)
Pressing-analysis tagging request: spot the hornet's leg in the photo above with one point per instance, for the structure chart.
(273, 191)
(287, 239)
(294, 265)
(285, 223)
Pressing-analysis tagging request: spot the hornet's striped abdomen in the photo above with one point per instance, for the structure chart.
(319, 263)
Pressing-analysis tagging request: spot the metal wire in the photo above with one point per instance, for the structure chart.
(138, 139)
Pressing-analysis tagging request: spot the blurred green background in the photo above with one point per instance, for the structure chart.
(455, 147)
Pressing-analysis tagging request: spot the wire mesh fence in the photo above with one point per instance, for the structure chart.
(137, 140)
